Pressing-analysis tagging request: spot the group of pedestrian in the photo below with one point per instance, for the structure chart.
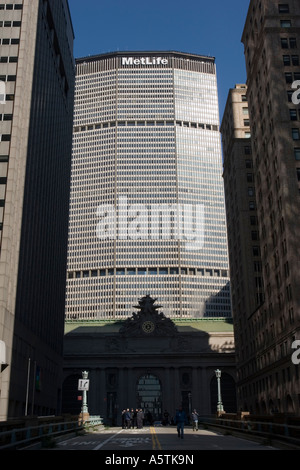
(132, 418)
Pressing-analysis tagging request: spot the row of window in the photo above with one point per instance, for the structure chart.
(9, 6)
(291, 77)
(5, 137)
(6, 117)
(146, 123)
(10, 41)
(288, 43)
(8, 78)
(290, 60)
(5, 60)
(9, 24)
(147, 271)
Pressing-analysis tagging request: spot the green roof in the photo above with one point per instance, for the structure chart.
(222, 325)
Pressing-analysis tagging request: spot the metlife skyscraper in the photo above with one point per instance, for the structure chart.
(147, 212)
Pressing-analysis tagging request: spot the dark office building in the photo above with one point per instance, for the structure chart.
(268, 369)
(36, 115)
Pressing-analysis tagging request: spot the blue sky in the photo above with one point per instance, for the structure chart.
(206, 27)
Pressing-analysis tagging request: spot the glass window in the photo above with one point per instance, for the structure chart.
(286, 60)
(284, 43)
(283, 8)
(293, 114)
(256, 251)
(120, 271)
(295, 134)
(142, 270)
(163, 270)
(152, 270)
(297, 153)
(288, 77)
(285, 23)
(289, 95)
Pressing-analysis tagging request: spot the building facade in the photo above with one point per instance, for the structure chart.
(147, 211)
(246, 279)
(271, 38)
(36, 115)
(149, 362)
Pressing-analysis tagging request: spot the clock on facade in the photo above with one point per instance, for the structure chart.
(148, 326)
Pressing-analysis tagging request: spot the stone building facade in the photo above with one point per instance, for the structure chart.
(151, 362)
(267, 375)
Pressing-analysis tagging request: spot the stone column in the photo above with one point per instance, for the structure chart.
(101, 393)
(167, 402)
(122, 393)
(204, 391)
(195, 389)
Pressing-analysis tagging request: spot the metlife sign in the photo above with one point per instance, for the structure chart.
(144, 61)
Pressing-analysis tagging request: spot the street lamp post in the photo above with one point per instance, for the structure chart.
(220, 408)
(83, 385)
(84, 409)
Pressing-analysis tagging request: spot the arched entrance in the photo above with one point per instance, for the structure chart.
(149, 397)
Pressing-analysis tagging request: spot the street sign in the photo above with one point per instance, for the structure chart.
(83, 384)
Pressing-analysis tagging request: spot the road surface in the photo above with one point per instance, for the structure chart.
(162, 438)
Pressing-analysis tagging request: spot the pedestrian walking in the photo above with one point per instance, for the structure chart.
(140, 419)
(195, 418)
(180, 421)
(127, 419)
(123, 419)
(166, 418)
(134, 418)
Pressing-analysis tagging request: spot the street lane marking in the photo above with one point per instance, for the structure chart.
(155, 441)
(107, 440)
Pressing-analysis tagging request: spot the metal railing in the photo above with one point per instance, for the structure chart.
(20, 437)
(265, 429)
